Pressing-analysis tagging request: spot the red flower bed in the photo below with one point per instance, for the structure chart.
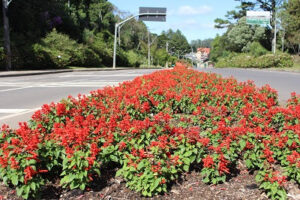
(155, 127)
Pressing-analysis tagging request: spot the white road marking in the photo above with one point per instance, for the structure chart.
(19, 88)
(94, 75)
(20, 113)
(12, 110)
(60, 84)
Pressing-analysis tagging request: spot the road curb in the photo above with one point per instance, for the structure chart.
(31, 73)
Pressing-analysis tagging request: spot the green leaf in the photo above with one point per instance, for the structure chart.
(156, 183)
(82, 186)
(186, 161)
(242, 144)
(140, 165)
(119, 172)
(20, 190)
(33, 186)
(187, 154)
(14, 180)
(186, 168)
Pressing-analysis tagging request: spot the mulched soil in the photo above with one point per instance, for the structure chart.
(241, 186)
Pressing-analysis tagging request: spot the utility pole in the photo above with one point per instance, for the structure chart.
(149, 50)
(282, 40)
(115, 46)
(167, 50)
(275, 33)
(6, 37)
(157, 13)
(192, 56)
(167, 47)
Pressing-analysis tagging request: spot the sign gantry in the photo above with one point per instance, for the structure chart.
(145, 14)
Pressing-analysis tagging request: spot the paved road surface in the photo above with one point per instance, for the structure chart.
(21, 96)
(284, 82)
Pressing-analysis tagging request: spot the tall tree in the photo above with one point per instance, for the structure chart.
(201, 43)
(292, 22)
(234, 15)
(6, 36)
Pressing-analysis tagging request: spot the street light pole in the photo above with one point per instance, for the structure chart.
(275, 33)
(116, 32)
(149, 52)
(115, 47)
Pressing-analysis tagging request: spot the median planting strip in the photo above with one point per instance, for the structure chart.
(153, 129)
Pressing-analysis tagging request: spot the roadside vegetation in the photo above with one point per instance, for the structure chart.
(57, 34)
(250, 46)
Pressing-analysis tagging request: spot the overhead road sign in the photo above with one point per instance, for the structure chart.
(258, 18)
(153, 14)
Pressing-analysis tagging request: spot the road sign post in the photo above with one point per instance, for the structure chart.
(146, 14)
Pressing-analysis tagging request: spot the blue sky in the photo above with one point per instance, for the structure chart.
(195, 18)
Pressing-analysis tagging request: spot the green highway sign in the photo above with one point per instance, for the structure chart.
(258, 17)
(258, 21)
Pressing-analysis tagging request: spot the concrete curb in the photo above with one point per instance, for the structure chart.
(31, 73)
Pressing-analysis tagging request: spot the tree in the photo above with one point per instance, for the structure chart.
(234, 15)
(178, 43)
(292, 23)
(6, 37)
(242, 35)
(218, 47)
(201, 43)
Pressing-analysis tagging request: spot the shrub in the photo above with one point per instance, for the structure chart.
(250, 61)
(271, 60)
(101, 44)
(57, 50)
(134, 59)
(86, 57)
(256, 49)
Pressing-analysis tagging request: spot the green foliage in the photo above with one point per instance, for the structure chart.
(242, 35)
(57, 50)
(278, 60)
(134, 59)
(218, 48)
(291, 23)
(256, 49)
(2, 57)
(250, 61)
(234, 15)
(161, 57)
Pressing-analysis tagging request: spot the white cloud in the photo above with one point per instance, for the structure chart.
(189, 10)
(190, 22)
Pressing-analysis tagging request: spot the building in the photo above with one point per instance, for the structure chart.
(203, 54)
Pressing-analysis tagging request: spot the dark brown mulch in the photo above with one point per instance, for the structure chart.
(190, 186)
(241, 186)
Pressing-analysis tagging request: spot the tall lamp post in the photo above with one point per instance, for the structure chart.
(146, 14)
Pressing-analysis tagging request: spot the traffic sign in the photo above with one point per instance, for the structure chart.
(258, 18)
(152, 14)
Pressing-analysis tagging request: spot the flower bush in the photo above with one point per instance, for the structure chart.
(155, 128)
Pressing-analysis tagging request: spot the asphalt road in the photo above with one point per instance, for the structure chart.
(284, 82)
(21, 96)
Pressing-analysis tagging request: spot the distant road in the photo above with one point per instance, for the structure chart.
(21, 96)
(284, 82)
